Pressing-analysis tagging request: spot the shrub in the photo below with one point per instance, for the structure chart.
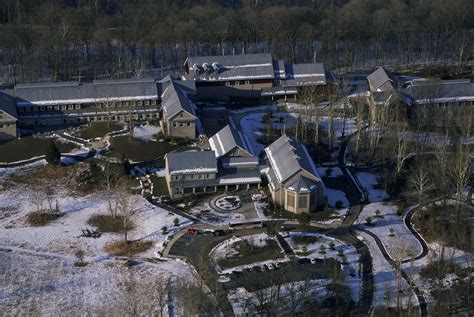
(53, 156)
(322, 249)
(176, 222)
(107, 223)
(339, 204)
(352, 272)
(340, 252)
(41, 218)
(164, 229)
(392, 232)
(332, 246)
(122, 248)
(80, 258)
(344, 259)
(368, 221)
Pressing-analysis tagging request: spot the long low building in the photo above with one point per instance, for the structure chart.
(429, 103)
(69, 103)
(254, 76)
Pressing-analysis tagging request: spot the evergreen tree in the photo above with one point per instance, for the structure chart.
(53, 156)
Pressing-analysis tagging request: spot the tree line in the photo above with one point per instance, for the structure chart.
(94, 39)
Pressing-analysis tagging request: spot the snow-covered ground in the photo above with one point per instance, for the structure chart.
(251, 125)
(385, 279)
(226, 249)
(371, 183)
(41, 285)
(335, 195)
(456, 256)
(243, 302)
(146, 132)
(40, 260)
(391, 229)
(313, 250)
(329, 171)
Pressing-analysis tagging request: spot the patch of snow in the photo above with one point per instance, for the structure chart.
(146, 132)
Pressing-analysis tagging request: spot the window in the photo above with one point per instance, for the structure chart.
(175, 124)
(64, 107)
(71, 107)
(188, 124)
(303, 201)
(290, 199)
(78, 106)
(181, 124)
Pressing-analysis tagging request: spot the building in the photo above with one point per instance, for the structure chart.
(383, 87)
(293, 180)
(8, 118)
(179, 118)
(230, 142)
(440, 103)
(229, 165)
(429, 103)
(252, 76)
(63, 103)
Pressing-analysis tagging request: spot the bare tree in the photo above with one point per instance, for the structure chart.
(421, 181)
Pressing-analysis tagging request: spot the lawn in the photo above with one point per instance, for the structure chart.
(137, 150)
(97, 129)
(29, 147)
(159, 186)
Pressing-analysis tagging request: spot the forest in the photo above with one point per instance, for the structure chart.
(100, 39)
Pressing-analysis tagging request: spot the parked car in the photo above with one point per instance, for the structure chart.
(270, 266)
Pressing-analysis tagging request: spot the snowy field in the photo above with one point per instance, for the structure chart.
(385, 279)
(313, 250)
(370, 182)
(243, 302)
(35, 284)
(459, 257)
(146, 132)
(251, 125)
(38, 262)
(391, 229)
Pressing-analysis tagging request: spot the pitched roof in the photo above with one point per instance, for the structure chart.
(230, 67)
(188, 86)
(436, 91)
(287, 157)
(174, 100)
(228, 139)
(380, 76)
(7, 104)
(302, 184)
(75, 92)
(305, 74)
(179, 163)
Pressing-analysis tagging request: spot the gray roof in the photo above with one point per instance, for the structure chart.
(302, 184)
(305, 74)
(233, 176)
(7, 104)
(175, 100)
(188, 86)
(239, 162)
(191, 162)
(381, 76)
(287, 157)
(228, 139)
(230, 67)
(440, 91)
(75, 92)
(279, 69)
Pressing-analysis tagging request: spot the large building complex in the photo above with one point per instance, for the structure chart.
(253, 76)
(433, 103)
